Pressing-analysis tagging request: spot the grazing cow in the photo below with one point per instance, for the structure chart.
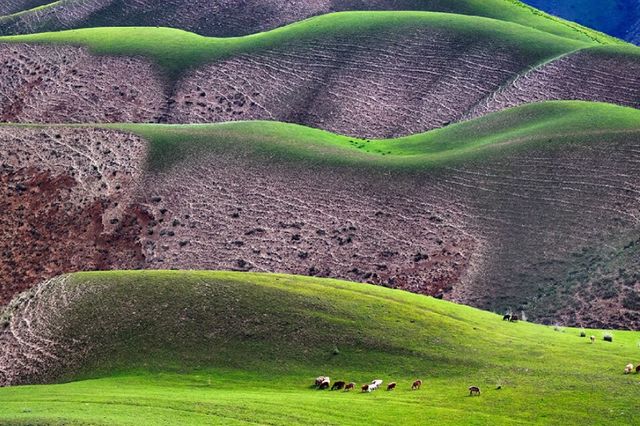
(325, 384)
(507, 317)
(391, 386)
(376, 382)
(350, 386)
(338, 385)
(416, 385)
(514, 318)
(593, 339)
(638, 369)
(319, 380)
(372, 387)
(474, 390)
(628, 369)
(365, 388)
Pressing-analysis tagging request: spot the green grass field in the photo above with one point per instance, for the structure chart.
(253, 343)
(176, 50)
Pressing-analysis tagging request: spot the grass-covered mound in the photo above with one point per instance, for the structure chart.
(546, 124)
(176, 50)
(213, 347)
(233, 18)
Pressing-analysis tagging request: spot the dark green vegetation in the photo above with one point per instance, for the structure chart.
(546, 124)
(194, 347)
(177, 50)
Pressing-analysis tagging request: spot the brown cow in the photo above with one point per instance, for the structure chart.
(416, 385)
(391, 386)
(350, 386)
(514, 318)
(474, 390)
(638, 369)
(365, 388)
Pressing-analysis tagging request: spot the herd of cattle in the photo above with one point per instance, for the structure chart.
(324, 382)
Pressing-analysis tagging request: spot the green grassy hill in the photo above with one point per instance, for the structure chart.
(216, 347)
(232, 18)
(547, 124)
(176, 50)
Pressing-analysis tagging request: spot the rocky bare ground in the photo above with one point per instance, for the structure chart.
(67, 84)
(550, 231)
(337, 85)
(590, 75)
(66, 203)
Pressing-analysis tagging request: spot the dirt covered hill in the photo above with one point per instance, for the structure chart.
(513, 210)
(366, 75)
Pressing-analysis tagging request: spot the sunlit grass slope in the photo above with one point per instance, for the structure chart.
(176, 50)
(233, 348)
(136, 15)
(549, 124)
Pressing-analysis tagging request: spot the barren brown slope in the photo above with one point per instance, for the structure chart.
(607, 75)
(62, 83)
(543, 219)
(9, 7)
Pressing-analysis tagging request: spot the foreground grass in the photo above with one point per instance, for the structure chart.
(176, 50)
(270, 335)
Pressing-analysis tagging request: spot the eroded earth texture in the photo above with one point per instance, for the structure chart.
(335, 84)
(58, 84)
(66, 203)
(590, 75)
(389, 85)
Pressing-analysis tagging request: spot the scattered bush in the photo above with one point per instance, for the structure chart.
(608, 337)
(583, 333)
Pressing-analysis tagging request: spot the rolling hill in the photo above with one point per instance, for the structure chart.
(204, 205)
(516, 209)
(236, 348)
(364, 74)
(227, 18)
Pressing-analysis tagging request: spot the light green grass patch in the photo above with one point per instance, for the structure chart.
(547, 376)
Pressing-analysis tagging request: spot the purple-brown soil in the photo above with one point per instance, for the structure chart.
(589, 75)
(67, 84)
(65, 203)
(361, 87)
